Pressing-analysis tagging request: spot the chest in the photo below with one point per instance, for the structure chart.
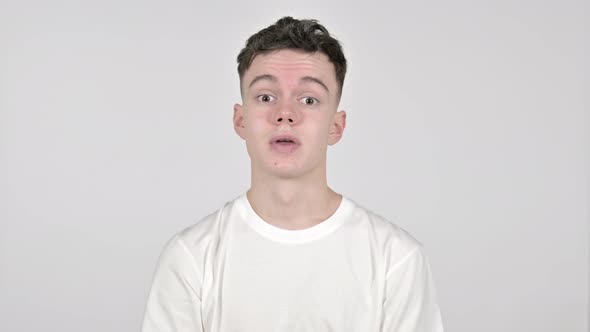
(262, 286)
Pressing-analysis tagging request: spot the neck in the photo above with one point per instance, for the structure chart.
(292, 203)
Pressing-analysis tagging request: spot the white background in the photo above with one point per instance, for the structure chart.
(467, 126)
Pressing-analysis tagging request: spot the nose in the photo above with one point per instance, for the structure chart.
(286, 115)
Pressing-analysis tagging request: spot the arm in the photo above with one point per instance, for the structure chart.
(174, 301)
(410, 297)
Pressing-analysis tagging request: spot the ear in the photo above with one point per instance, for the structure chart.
(239, 121)
(337, 128)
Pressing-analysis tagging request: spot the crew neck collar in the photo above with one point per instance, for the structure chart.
(294, 236)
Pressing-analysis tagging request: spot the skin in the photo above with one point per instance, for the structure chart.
(290, 191)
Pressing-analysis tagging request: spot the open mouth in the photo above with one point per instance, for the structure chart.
(284, 145)
(284, 142)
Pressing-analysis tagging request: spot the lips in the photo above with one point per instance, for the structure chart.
(285, 139)
(284, 143)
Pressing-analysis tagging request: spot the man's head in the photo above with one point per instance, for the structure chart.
(291, 76)
(289, 33)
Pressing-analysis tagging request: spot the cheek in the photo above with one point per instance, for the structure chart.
(256, 128)
(320, 133)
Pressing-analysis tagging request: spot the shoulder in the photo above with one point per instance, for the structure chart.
(396, 243)
(195, 240)
(198, 235)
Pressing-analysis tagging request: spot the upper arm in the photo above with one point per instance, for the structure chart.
(174, 300)
(410, 297)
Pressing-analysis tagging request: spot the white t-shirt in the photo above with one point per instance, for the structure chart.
(233, 272)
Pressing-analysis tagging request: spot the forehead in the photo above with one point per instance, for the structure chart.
(291, 64)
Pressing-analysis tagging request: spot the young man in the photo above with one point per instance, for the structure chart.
(291, 254)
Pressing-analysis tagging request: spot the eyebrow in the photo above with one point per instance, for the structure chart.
(304, 79)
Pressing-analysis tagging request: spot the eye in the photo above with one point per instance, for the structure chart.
(265, 98)
(309, 101)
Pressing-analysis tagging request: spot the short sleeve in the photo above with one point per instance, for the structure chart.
(410, 297)
(174, 303)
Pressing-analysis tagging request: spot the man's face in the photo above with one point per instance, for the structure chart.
(294, 93)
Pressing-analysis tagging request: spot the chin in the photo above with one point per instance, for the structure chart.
(280, 168)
